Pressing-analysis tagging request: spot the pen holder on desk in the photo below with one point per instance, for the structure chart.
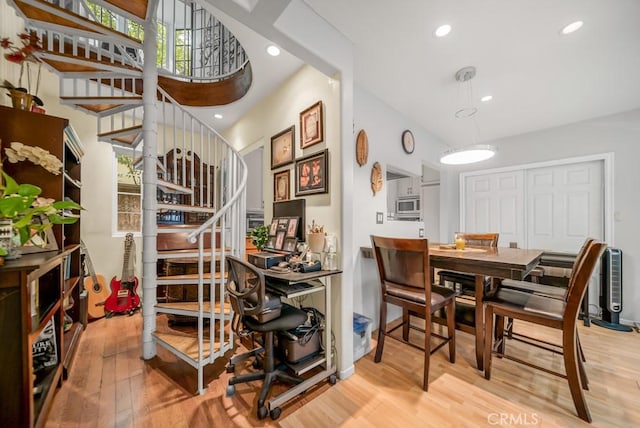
(316, 241)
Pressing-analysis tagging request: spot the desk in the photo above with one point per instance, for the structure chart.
(327, 359)
(512, 263)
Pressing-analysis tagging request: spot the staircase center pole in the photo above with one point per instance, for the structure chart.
(149, 181)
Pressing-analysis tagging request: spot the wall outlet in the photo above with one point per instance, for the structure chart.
(379, 217)
(421, 232)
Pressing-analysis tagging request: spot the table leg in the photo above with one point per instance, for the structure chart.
(479, 321)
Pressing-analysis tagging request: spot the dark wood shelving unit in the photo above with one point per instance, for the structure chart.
(56, 277)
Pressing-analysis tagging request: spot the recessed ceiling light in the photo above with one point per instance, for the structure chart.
(217, 116)
(273, 50)
(443, 30)
(486, 98)
(574, 26)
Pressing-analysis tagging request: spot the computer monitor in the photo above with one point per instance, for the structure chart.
(292, 208)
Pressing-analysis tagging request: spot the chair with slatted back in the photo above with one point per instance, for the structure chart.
(405, 281)
(466, 283)
(257, 312)
(560, 314)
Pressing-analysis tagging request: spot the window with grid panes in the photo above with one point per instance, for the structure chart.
(128, 203)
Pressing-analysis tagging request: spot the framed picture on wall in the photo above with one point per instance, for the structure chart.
(312, 174)
(282, 147)
(281, 185)
(311, 126)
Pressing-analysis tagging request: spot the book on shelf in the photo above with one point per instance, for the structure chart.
(44, 350)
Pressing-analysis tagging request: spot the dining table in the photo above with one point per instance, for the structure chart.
(494, 262)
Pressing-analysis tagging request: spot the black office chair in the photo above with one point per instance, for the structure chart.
(256, 311)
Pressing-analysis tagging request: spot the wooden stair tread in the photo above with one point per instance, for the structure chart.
(111, 103)
(133, 97)
(181, 207)
(189, 276)
(99, 108)
(137, 8)
(188, 251)
(193, 306)
(185, 343)
(173, 187)
(44, 11)
(131, 130)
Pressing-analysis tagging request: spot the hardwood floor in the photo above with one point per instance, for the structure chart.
(110, 386)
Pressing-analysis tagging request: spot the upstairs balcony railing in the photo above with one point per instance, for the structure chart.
(193, 45)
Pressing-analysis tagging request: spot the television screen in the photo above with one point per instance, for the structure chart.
(292, 208)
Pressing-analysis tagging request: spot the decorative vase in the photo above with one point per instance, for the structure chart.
(21, 100)
(316, 241)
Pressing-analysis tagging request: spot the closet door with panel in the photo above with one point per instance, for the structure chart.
(495, 203)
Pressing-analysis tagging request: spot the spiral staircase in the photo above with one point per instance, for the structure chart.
(96, 50)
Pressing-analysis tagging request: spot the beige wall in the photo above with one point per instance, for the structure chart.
(279, 111)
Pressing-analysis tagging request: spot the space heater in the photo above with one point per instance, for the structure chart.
(611, 290)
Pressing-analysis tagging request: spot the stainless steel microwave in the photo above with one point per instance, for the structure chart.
(408, 207)
(254, 222)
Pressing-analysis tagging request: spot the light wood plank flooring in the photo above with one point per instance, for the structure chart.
(110, 386)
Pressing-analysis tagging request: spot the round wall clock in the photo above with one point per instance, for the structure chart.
(408, 143)
(376, 178)
(362, 148)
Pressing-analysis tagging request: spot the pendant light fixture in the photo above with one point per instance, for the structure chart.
(475, 152)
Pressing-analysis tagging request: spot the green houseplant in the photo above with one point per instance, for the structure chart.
(259, 236)
(22, 207)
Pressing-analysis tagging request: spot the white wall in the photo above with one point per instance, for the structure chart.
(384, 127)
(619, 134)
(97, 169)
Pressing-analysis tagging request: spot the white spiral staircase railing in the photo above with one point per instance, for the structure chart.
(96, 76)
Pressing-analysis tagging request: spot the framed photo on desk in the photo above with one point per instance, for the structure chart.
(280, 240)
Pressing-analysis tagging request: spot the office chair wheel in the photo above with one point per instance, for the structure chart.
(231, 390)
(262, 412)
(256, 363)
(231, 368)
(275, 413)
(332, 379)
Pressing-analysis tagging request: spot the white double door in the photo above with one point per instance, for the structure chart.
(552, 208)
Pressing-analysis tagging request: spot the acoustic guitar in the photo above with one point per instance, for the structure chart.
(124, 297)
(96, 286)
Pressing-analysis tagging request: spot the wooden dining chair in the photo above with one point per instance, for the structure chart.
(465, 284)
(560, 314)
(405, 281)
(551, 291)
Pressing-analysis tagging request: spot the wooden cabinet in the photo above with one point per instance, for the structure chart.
(31, 327)
(55, 135)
